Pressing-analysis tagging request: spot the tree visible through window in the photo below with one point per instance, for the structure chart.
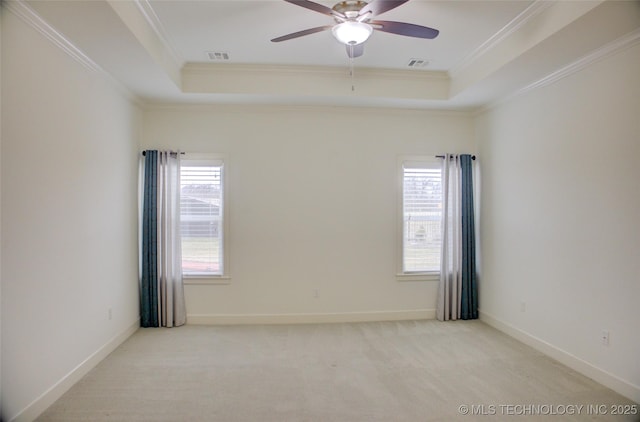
(201, 217)
(422, 217)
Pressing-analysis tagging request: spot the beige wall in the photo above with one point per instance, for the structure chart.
(560, 228)
(312, 197)
(68, 218)
(313, 207)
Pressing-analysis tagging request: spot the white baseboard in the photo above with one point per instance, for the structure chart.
(239, 319)
(39, 405)
(625, 388)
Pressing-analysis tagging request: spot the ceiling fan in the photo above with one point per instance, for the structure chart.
(354, 24)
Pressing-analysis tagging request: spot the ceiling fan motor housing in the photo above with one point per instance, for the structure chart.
(350, 8)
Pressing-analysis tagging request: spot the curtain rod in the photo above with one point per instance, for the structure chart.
(473, 157)
(171, 152)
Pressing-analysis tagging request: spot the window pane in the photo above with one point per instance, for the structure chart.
(201, 219)
(422, 217)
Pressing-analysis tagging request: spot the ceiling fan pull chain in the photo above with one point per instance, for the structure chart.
(351, 69)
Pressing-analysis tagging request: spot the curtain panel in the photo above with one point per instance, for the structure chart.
(469, 291)
(457, 290)
(161, 288)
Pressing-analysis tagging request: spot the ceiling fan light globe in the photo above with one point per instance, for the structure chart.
(352, 33)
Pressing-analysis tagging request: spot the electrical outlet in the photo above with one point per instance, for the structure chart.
(605, 338)
(110, 313)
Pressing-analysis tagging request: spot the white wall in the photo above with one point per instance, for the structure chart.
(69, 219)
(312, 196)
(560, 226)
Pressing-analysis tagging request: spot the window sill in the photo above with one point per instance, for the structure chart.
(418, 277)
(207, 279)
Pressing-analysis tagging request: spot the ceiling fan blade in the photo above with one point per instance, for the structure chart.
(301, 33)
(316, 7)
(403, 28)
(354, 51)
(377, 7)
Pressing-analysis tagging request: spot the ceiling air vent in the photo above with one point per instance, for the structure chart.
(218, 56)
(417, 63)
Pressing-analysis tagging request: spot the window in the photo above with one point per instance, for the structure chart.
(202, 217)
(421, 216)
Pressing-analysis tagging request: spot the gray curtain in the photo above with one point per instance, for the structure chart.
(469, 291)
(161, 288)
(457, 290)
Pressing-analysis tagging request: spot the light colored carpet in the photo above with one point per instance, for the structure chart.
(386, 371)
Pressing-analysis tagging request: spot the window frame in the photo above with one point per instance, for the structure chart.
(401, 274)
(209, 159)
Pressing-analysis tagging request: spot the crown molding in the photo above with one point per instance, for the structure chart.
(156, 25)
(160, 106)
(601, 53)
(21, 9)
(607, 50)
(205, 68)
(537, 7)
(140, 21)
(538, 24)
